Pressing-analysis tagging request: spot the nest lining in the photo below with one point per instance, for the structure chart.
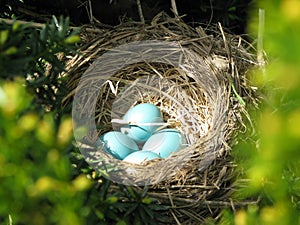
(194, 182)
(167, 91)
(182, 97)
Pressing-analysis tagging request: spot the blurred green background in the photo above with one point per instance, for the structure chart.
(272, 163)
(37, 184)
(43, 181)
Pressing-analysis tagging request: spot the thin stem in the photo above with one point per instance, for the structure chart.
(90, 10)
(174, 7)
(40, 25)
(140, 10)
(261, 25)
(32, 24)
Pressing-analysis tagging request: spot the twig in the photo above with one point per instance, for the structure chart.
(40, 25)
(140, 10)
(261, 24)
(228, 203)
(33, 24)
(90, 11)
(170, 197)
(175, 218)
(211, 14)
(225, 40)
(34, 14)
(174, 7)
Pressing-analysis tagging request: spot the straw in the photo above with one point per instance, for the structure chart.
(204, 98)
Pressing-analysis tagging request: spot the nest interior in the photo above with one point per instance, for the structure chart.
(203, 96)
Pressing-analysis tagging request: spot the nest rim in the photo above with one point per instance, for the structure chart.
(224, 48)
(204, 78)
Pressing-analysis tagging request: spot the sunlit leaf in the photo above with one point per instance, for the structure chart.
(81, 183)
(28, 121)
(240, 218)
(15, 26)
(3, 36)
(65, 131)
(72, 39)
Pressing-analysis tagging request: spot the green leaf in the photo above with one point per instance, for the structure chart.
(44, 33)
(3, 36)
(142, 214)
(99, 214)
(72, 39)
(121, 222)
(131, 209)
(131, 192)
(104, 188)
(147, 201)
(242, 102)
(232, 9)
(10, 51)
(15, 26)
(145, 190)
(112, 199)
(148, 211)
(138, 221)
(158, 207)
(55, 21)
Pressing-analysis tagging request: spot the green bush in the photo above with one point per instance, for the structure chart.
(271, 161)
(37, 184)
(35, 54)
(44, 178)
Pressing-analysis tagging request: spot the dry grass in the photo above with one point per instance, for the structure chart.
(204, 97)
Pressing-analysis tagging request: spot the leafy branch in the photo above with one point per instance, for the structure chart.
(35, 53)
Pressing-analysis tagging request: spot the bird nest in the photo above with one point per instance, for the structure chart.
(195, 76)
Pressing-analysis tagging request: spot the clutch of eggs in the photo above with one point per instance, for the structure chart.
(123, 145)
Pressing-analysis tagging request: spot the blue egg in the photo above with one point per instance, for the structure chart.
(142, 113)
(140, 156)
(165, 142)
(118, 144)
